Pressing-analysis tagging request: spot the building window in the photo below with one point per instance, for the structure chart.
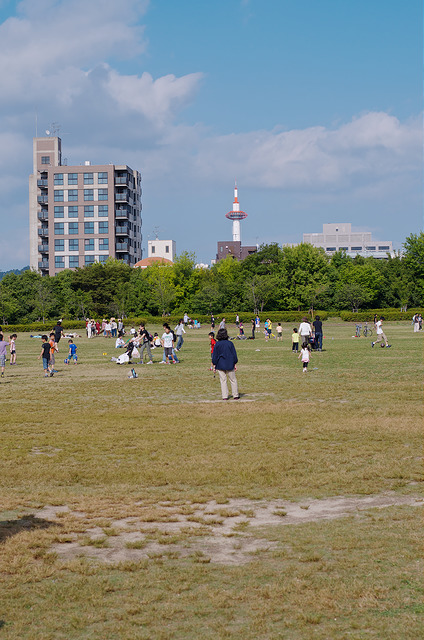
(72, 178)
(102, 177)
(103, 258)
(343, 248)
(58, 178)
(72, 212)
(59, 228)
(356, 248)
(89, 211)
(103, 210)
(58, 195)
(89, 244)
(73, 262)
(384, 248)
(73, 195)
(59, 262)
(88, 227)
(102, 194)
(88, 178)
(153, 248)
(166, 249)
(73, 228)
(45, 159)
(370, 248)
(58, 212)
(104, 244)
(88, 260)
(73, 244)
(331, 249)
(59, 245)
(88, 194)
(103, 226)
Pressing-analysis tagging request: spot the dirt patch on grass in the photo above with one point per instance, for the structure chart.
(208, 532)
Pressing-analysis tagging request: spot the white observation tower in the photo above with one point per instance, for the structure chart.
(236, 215)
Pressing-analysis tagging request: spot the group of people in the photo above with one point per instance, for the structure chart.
(108, 328)
(417, 322)
(142, 341)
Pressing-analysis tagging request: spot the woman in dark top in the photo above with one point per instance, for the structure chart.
(318, 332)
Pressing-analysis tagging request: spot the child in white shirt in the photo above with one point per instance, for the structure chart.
(305, 354)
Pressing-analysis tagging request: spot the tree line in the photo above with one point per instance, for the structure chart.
(274, 278)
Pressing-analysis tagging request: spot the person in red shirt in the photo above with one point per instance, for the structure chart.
(213, 342)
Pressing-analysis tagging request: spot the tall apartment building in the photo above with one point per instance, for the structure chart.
(81, 214)
(337, 236)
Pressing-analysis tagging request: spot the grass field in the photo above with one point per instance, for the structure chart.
(150, 509)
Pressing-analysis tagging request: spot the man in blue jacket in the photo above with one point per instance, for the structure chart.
(224, 360)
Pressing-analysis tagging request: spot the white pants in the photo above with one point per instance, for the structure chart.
(233, 381)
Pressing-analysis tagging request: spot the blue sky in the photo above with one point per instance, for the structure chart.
(315, 107)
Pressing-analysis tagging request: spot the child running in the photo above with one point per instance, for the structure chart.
(72, 355)
(12, 347)
(53, 348)
(305, 354)
(295, 341)
(213, 343)
(45, 354)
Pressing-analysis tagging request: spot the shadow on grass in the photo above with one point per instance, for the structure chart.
(9, 528)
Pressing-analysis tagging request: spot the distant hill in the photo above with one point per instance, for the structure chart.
(17, 271)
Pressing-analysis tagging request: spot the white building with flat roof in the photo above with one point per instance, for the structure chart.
(162, 249)
(339, 236)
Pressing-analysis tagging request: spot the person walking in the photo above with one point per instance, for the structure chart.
(3, 352)
(317, 324)
(58, 332)
(304, 331)
(253, 323)
(179, 330)
(305, 354)
(381, 336)
(224, 360)
(144, 344)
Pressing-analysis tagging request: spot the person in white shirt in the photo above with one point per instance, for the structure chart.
(305, 354)
(167, 342)
(179, 330)
(304, 331)
(381, 336)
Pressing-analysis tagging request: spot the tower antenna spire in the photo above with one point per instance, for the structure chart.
(236, 215)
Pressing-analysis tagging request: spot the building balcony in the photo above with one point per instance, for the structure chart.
(43, 248)
(122, 246)
(122, 180)
(122, 230)
(43, 231)
(43, 183)
(42, 199)
(122, 212)
(123, 196)
(43, 215)
(43, 264)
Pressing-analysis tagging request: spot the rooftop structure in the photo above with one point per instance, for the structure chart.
(339, 236)
(162, 249)
(81, 214)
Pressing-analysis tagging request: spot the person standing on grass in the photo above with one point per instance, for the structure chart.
(179, 330)
(168, 344)
(144, 340)
(58, 333)
(317, 324)
(279, 330)
(3, 351)
(305, 354)
(305, 331)
(213, 343)
(380, 334)
(12, 347)
(222, 324)
(224, 359)
(72, 354)
(45, 354)
(295, 340)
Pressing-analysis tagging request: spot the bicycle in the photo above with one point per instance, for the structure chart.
(367, 330)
